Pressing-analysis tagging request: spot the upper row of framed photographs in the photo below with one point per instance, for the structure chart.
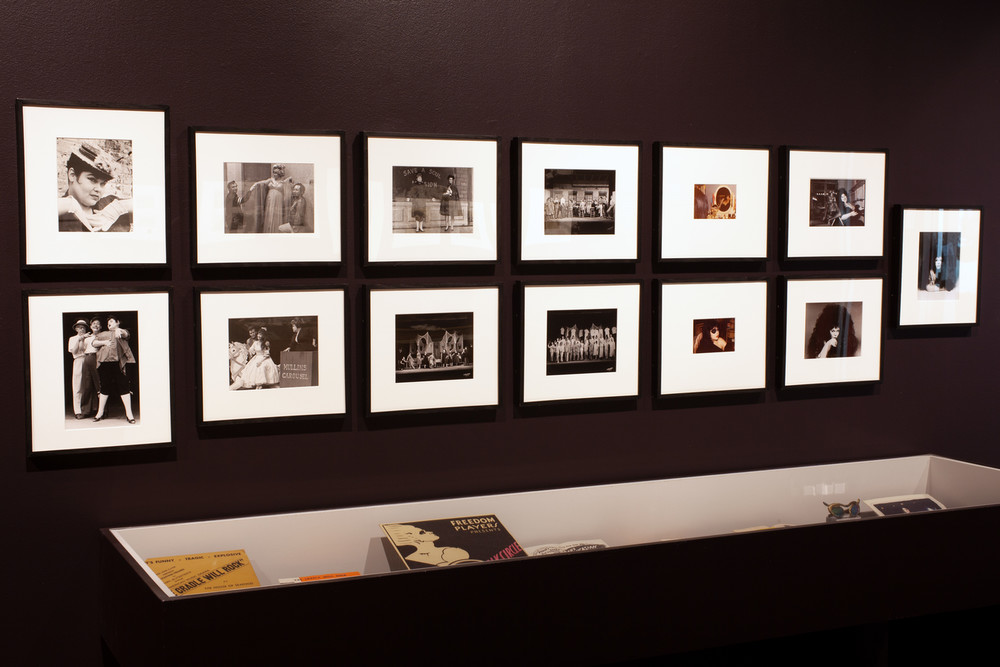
(276, 198)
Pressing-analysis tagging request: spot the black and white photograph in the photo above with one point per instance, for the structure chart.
(836, 202)
(431, 199)
(834, 330)
(434, 346)
(276, 354)
(94, 184)
(714, 201)
(580, 201)
(939, 267)
(582, 341)
(698, 350)
(269, 198)
(273, 352)
(103, 352)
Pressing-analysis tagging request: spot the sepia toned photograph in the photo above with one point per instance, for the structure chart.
(715, 335)
(836, 202)
(939, 261)
(433, 346)
(834, 330)
(273, 352)
(579, 201)
(269, 198)
(94, 184)
(101, 368)
(714, 202)
(581, 341)
(431, 200)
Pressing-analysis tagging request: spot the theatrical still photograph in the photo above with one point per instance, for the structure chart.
(581, 341)
(836, 202)
(579, 201)
(833, 330)
(94, 184)
(101, 369)
(714, 202)
(273, 353)
(269, 198)
(715, 335)
(433, 200)
(434, 346)
(937, 275)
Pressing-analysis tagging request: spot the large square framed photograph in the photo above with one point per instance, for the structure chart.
(275, 354)
(713, 202)
(267, 197)
(836, 204)
(580, 342)
(431, 199)
(939, 267)
(713, 337)
(93, 184)
(833, 331)
(433, 349)
(578, 201)
(98, 370)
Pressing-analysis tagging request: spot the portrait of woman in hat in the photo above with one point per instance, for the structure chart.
(83, 205)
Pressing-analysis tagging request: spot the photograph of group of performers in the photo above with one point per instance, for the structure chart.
(938, 262)
(101, 368)
(579, 201)
(836, 202)
(273, 352)
(433, 346)
(714, 202)
(268, 198)
(834, 330)
(94, 185)
(581, 341)
(431, 200)
(714, 335)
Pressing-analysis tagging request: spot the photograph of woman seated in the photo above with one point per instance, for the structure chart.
(833, 334)
(714, 335)
(939, 261)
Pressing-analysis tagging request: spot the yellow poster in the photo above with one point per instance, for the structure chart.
(205, 573)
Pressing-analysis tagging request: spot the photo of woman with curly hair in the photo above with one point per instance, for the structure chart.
(834, 333)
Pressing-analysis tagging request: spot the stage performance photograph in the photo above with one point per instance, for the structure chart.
(579, 201)
(581, 341)
(433, 346)
(273, 353)
(431, 200)
(269, 198)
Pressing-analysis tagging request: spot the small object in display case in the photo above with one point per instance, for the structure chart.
(446, 542)
(318, 577)
(910, 504)
(574, 547)
(844, 510)
(212, 572)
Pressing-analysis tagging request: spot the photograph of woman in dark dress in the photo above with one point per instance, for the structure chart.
(833, 334)
(450, 204)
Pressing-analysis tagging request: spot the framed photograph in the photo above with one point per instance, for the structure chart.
(836, 204)
(579, 201)
(939, 267)
(433, 348)
(267, 197)
(431, 199)
(833, 331)
(276, 354)
(713, 202)
(580, 341)
(98, 369)
(94, 184)
(713, 337)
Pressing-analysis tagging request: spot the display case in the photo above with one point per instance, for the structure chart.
(681, 566)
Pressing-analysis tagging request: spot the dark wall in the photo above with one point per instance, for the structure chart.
(920, 83)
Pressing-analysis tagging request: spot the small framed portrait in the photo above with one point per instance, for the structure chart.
(275, 354)
(833, 331)
(713, 337)
(939, 267)
(433, 348)
(431, 199)
(94, 184)
(579, 201)
(267, 197)
(580, 342)
(713, 202)
(836, 204)
(108, 355)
